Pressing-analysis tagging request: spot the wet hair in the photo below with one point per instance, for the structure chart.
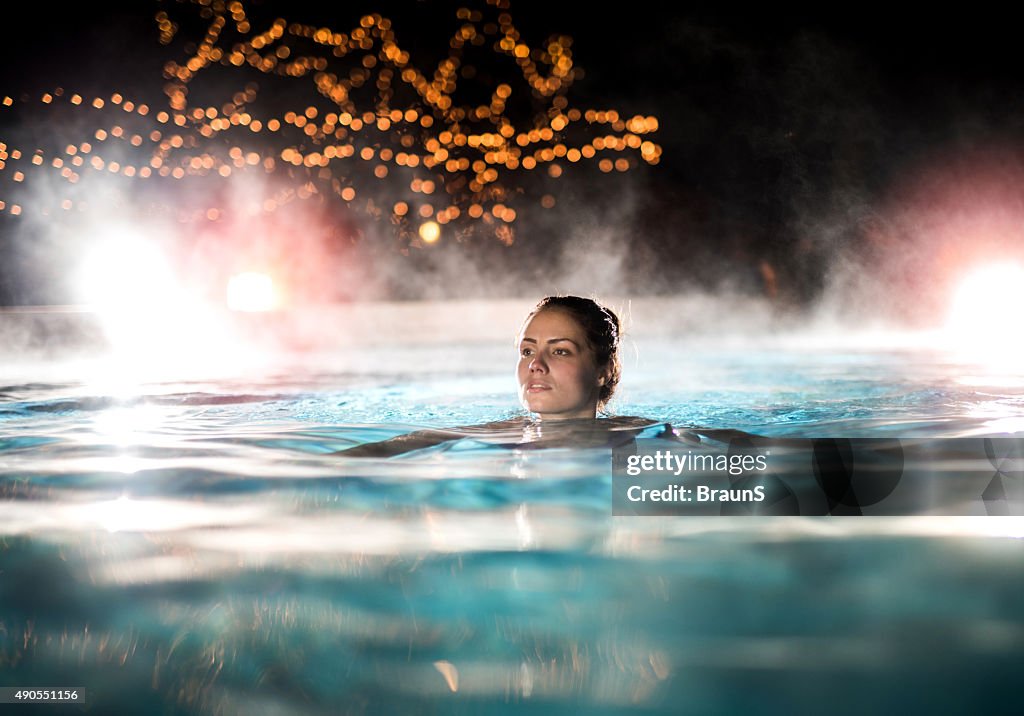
(601, 328)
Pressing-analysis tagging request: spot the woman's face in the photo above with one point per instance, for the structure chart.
(558, 375)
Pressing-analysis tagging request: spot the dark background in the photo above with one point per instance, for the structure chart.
(786, 133)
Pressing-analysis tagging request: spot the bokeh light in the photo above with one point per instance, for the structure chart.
(983, 309)
(252, 292)
(125, 272)
(369, 125)
(430, 231)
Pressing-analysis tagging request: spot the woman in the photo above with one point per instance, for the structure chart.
(568, 358)
(568, 370)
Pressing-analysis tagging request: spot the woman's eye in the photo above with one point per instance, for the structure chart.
(561, 352)
(525, 351)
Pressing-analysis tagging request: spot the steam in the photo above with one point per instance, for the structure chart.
(794, 192)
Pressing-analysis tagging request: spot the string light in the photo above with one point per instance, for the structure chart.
(460, 161)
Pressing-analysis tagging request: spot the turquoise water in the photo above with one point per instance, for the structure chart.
(191, 546)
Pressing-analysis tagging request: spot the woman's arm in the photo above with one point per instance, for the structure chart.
(607, 431)
(401, 444)
(420, 439)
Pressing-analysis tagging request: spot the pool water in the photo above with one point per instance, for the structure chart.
(188, 544)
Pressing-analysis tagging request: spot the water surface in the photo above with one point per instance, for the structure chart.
(191, 545)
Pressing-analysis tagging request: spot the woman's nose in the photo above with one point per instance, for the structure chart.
(538, 364)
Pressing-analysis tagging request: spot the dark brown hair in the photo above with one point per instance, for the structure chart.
(601, 328)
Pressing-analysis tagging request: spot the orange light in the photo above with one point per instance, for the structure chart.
(374, 58)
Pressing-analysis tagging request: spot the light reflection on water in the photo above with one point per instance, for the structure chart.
(193, 547)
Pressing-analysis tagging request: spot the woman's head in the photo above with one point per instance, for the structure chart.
(568, 358)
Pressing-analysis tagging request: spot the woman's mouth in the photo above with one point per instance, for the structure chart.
(537, 387)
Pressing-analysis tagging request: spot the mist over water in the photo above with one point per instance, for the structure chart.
(818, 172)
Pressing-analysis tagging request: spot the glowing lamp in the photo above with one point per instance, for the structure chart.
(430, 231)
(984, 308)
(251, 292)
(126, 274)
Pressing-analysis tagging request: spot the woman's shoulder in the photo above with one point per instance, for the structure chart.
(628, 421)
(638, 424)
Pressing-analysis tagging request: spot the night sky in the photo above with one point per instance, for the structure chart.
(792, 138)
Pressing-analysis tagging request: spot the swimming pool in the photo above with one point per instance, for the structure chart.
(180, 540)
